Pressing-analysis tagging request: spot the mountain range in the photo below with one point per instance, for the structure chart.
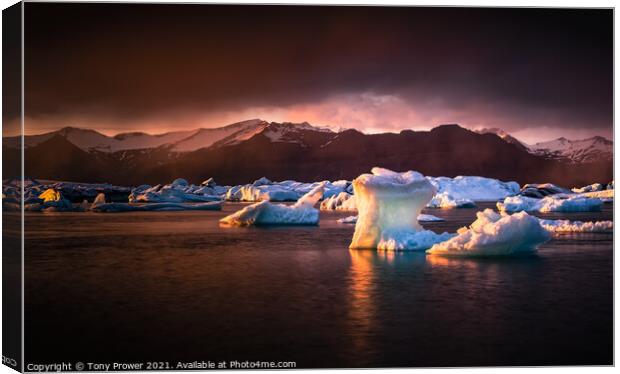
(244, 151)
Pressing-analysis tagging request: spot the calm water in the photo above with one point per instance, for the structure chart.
(154, 286)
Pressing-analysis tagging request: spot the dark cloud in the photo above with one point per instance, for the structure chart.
(131, 61)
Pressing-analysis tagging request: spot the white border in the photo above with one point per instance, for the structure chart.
(497, 3)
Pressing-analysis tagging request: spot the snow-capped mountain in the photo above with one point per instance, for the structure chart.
(251, 149)
(176, 141)
(592, 149)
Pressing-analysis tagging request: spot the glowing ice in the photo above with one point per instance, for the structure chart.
(388, 205)
(562, 226)
(267, 213)
(554, 203)
(492, 234)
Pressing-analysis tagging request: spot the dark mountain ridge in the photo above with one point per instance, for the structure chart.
(301, 152)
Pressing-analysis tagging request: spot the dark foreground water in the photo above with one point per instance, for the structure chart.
(151, 286)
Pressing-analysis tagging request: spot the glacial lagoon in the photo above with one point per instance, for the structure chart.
(177, 286)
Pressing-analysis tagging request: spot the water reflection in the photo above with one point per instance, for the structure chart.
(362, 309)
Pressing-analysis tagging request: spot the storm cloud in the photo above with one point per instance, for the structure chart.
(141, 67)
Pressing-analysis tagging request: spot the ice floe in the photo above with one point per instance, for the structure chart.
(349, 220)
(474, 188)
(589, 188)
(343, 201)
(492, 234)
(388, 205)
(606, 196)
(553, 203)
(429, 218)
(268, 213)
(540, 190)
(443, 200)
(562, 226)
(179, 191)
(264, 189)
(100, 205)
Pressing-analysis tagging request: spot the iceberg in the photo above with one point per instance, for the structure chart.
(179, 191)
(555, 203)
(492, 234)
(261, 193)
(349, 219)
(443, 200)
(474, 188)
(388, 205)
(541, 190)
(342, 201)
(288, 190)
(52, 201)
(429, 218)
(589, 188)
(607, 196)
(562, 226)
(267, 213)
(101, 206)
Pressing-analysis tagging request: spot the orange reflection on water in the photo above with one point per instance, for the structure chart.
(362, 309)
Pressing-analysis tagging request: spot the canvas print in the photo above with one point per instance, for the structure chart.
(204, 186)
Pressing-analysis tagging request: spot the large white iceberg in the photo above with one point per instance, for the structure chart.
(474, 188)
(563, 226)
(267, 213)
(388, 205)
(492, 234)
(553, 203)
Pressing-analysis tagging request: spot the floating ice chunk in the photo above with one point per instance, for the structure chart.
(342, 201)
(388, 205)
(349, 219)
(494, 235)
(606, 196)
(261, 182)
(555, 203)
(429, 218)
(249, 192)
(589, 188)
(443, 200)
(474, 188)
(561, 226)
(541, 190)
(53, 201)
(179, 191)
(100, 205)
(267, 213)
(179, 182)
(50, 195)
